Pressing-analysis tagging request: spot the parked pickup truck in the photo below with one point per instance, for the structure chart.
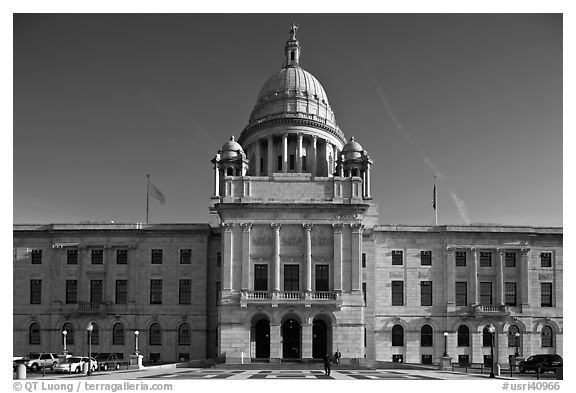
(107, 361)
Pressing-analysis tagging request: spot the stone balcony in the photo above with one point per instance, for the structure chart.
(331, 298)
(92, 308)
(486, 310)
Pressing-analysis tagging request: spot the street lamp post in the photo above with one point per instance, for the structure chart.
(516, 354)
(491, 330)
(445, 344)
(136, 333)
(64, 333)
(89, 328)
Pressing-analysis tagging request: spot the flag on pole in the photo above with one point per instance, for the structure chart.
(156, 193)
(434, 196)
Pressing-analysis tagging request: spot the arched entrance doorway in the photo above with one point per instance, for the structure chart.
(291, 339)
(262, 339)
(319, 339)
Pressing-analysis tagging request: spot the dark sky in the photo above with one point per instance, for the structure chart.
(102, 100)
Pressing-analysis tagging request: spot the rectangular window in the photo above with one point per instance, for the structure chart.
(97, 257)
(510, 293)
(425, 258)
(96, 291)
(460, 258)
(261, 277)
(510, 259)
(546, 294)
(322, 278)
(156, 291)
(218, 292)
(463, 360)
(304, 168)
(486, 293)
(487, 360)
(36, 257)
(292, 161)
(426, 359)
(461, 293)
(218, 259)
(364, 292)
(156, 256)
(397, 257)
(72, 257)
(121, 257)
(546, 259)
(185, 256)
(71, 291)
(35, 291)
(279, 166)
(121, 291)
(397, 293)
(485, 259)
(291, 278)
(185, 291)
(425, 293)
(363, 259)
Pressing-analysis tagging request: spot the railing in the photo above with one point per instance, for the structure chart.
(324, 295)
(87, 307)
(289, 297)
(259, 295)
(488, 309)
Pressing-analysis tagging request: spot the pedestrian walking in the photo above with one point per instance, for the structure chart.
(337, 356)
(327, 363)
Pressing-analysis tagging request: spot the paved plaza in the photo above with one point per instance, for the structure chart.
(162, 373)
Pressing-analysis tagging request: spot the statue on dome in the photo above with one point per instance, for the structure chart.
(293, 29)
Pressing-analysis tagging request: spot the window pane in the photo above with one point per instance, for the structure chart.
(397, 257)
(34, 334)
(69, 333)
(156, 256)
(397, 293)
(397, 336)
(121, 291)
(36, 257)
(460, 258)
(184, 334)
(546, 294)
(426, 293)
(260, 277)
(155, 335)
(71, 291)
(510, 259)
(322, 280)
(122, 257)
(486, 293)
(510, 293)
(546, 259)
(155, 291)
(185, 256)
(72, 257)
(96, 287)
(97, 257)
(118, 334)
(291, 279)
(426, 336)
(461, 293)
(426, 258)
(485, 259)
(463, 336)
(513, 341)
(546, 335)
(185, 292)
(35, 291)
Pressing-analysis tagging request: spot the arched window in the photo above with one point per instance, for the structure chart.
(34, 334)
(184, 334)
(69, 333)
(230, 172)
(426, 336)
(513, 341)
(463, 336)
(486, 337)
(397, 336)
(155, 334)
(95, 337)
(547, 336)
(118, 334)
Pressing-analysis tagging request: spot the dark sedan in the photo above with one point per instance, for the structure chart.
(543, 362)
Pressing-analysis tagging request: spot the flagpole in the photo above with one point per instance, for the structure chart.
(435, 203)
(147, 196)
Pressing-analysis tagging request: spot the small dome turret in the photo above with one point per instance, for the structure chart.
(231, 149)
(352, 150)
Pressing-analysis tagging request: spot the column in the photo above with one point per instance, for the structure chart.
(328, 154)
(299, 152)
(337, 257)
(356, 256)
(308, 258)
(524, 280)
(474, 276)
(83, 283)
(246, 227)
(307, 339)
(285, 153)
(314, 154)
(275, 342)
(335, 155)
(271, 161)
(109, 284)
(216, 178)
(227, 257)
(276, 258)
(450, 284)
(368, 180)
(258, 166)
(500, 277)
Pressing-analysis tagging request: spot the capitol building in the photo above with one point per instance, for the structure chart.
(294, 263)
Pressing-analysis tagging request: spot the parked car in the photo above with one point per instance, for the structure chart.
(38, 360)
(93, 363)
(108, 360)
(72, 364)
(546, 362)
(16, 361)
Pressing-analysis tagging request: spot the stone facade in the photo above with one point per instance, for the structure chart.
(292, 265)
